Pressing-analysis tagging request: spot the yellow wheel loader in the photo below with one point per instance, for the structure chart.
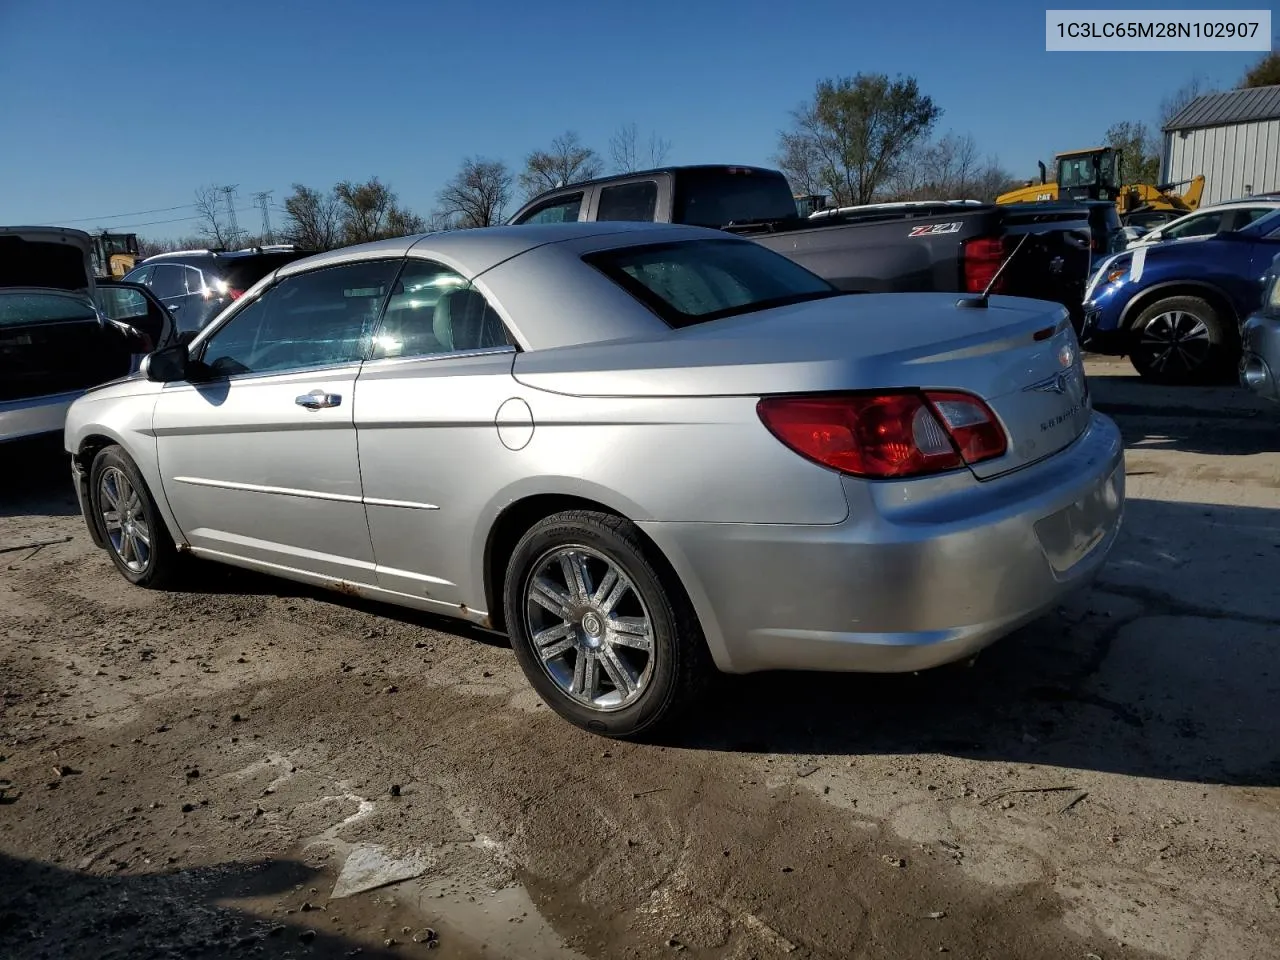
(1094, 174)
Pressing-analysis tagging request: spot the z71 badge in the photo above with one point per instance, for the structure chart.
(934, 229)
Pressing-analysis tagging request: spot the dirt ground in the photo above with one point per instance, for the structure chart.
(205, 774)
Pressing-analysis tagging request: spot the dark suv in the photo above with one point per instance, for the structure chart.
(196, 284)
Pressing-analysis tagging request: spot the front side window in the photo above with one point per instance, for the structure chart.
(1077, 172)
(558, 210)
(314, 319)
(434, 310)
(628, 201)
(138, 275)
(694, 281)
(1247, 216)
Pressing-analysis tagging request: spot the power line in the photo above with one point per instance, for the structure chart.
(155, 223)
(117, 216)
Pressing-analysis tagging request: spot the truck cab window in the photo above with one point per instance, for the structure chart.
(629, 201)
(558, 210)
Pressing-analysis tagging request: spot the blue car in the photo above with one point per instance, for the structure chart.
(1175, 308)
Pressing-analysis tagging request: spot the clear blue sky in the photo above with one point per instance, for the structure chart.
(110, 108)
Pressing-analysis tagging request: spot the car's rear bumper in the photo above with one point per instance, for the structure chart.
(1260, 356)
(35, 416)
(904, 587)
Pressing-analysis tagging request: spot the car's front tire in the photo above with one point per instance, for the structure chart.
(601, 627)
(126, 515)
(1181, 340)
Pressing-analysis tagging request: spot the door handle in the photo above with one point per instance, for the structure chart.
(317, 399)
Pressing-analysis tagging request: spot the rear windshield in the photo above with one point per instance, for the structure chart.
(694, 281)
(716, 198)
(18, 308)
(243, 272)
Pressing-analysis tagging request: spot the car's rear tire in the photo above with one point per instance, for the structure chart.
(1182, 340)
(126, 515)
(619, 654)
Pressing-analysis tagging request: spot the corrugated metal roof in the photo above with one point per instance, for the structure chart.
(1235, 106)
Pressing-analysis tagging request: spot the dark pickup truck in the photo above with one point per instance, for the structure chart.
(949, 246)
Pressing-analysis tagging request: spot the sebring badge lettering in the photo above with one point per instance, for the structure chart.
(1061, 418)
(933, 229)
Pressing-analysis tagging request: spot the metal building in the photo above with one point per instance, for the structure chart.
(1232, 138)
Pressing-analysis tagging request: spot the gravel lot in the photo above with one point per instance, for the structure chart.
(190, 774)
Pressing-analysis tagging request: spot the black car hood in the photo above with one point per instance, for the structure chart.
(49, 257)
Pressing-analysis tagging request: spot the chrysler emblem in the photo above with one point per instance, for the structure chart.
(1055, 384)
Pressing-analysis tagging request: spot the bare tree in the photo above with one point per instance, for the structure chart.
(1177, 101)
(628, 155)
(800, 160)
(213, 227)
(568, 161)
(477, 195)
(950, 168)
(311, 219)
(860, 130)
(149, 248)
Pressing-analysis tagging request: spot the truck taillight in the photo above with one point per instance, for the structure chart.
(886, 435)
(980, 258)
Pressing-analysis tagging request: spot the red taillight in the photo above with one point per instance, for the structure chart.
(235, 294)
(980, 258)
(887, 435)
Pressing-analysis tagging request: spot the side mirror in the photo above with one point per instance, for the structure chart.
(168, 364)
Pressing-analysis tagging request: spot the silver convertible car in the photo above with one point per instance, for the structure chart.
(644, 452)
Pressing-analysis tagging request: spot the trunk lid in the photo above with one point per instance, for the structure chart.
(1020, 356)
(51, 257)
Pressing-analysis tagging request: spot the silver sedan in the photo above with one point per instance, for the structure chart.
(644, 452)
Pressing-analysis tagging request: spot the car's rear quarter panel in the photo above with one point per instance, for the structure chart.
(461, 435)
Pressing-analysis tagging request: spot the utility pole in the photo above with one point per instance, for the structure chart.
(231, 213)
(263, 199)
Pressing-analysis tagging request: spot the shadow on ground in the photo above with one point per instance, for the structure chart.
(1168, 667)
(49, 912)
(36, 479)
(1216, 420)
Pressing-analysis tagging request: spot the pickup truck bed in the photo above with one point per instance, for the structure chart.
(947, 246)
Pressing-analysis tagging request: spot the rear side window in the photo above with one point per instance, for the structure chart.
(695, 281)
(1204, 226)
(628, 201)
(557, 210)
(714, 198)
(167, 280)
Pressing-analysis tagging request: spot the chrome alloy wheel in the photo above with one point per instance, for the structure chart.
(1175, 341)
(124, 520)
(590, 628)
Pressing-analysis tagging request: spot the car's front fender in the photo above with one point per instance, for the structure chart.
(123, 415)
